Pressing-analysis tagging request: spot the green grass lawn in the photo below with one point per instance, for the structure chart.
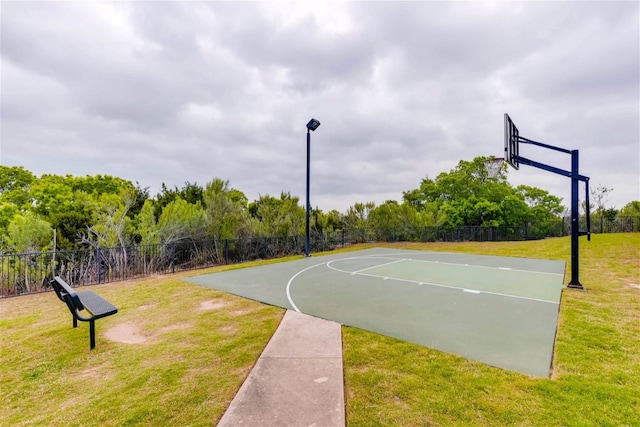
(201, 344)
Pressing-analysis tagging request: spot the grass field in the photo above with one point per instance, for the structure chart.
(200, 344)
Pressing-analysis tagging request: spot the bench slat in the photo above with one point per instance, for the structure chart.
(96, 305)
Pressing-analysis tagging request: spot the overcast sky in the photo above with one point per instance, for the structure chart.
(170, 92)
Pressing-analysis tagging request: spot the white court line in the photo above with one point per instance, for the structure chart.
(288, 288)
(295, 307)
(439, 285)
(392, 255)
(486, 267)
(379, 265)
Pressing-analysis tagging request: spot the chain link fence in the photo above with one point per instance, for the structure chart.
(28, 273)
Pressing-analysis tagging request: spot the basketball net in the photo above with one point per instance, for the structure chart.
(493, 167)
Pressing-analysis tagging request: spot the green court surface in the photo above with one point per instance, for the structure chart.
(498, 310)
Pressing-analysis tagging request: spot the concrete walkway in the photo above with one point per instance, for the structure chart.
(297, 381)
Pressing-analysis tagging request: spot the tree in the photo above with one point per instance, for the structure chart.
(15, 183)
(334, 221)
(543, 205)
(99, 184)
(112, 227)
(278, 217)
(385, 218)
(70, 203)
(7, 212)
(146, 225)
(226, 210)
(600, 196)
(181, 221)
(515, 211)
(190, 193)
(27, 232)
(357, 215)
(631, 209)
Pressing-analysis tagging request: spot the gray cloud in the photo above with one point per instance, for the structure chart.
(172, 92)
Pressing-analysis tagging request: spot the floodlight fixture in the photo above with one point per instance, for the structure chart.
(313, 124)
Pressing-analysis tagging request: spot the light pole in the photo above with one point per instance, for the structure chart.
(312, 125)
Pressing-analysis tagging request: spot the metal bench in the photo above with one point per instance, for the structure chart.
(83, 302)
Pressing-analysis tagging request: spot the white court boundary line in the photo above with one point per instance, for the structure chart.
(440, 285)
(462, 265)
(375, 266)
(288, 289)
(390, 256)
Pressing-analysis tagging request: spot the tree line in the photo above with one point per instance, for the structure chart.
(69, 212)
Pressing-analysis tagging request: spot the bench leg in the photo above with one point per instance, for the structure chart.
(75, 322)
(92, 333)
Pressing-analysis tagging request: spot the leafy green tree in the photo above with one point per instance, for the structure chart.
(226, 210)
(358, 214)
(190, 193)
(334, 221)
(180, 221)
(543, 205)
(609, 214)
(164, 197)
(15, 183)
(486, 214)
(28, 233)
(329, 222)
(278, 217)
(600, 196)
(515, 211)
(470, 195)
(50, 194)
(7, 212)
(469, 179)
(71, 204)
(98, 185)
(112, 227)
(386, 218)
(631, 209)
(146, 225)
(141, 195)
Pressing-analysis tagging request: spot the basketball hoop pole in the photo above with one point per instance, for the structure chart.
(575, 222)
(574, 174)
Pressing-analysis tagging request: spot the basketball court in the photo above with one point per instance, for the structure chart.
(497, 310)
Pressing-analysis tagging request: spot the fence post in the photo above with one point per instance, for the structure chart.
(99, 261)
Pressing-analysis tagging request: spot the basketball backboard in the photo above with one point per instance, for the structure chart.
(511, 142)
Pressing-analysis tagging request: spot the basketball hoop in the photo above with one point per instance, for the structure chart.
(493, 167)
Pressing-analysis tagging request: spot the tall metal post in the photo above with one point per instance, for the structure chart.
(512, 139)
(306, 236)
(575, 222)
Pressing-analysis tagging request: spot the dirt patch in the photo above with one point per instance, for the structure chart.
(177, 326)
(229, 330)
(146, 306)
(212, 305)
(128, 333)
(97, 373)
